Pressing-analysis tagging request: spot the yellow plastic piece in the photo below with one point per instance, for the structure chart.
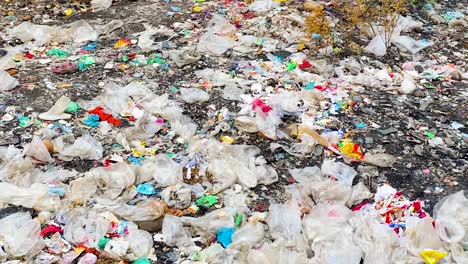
(69, 12)
(228, 140)
(198, 8)
(432, 256)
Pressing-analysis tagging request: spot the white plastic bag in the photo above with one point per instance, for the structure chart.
(263, 5)
(147, 210)
(140, 242)
(21, 235)
(37, 150)
(174, 232)
(342, 172)
(284, 222)
(113, 180)
(36, 197)
(376, 46)
(410, 44)
(194, 95)
(99, 5)
(162, 169)
(84, 147)
(57, 110)
(7, 82)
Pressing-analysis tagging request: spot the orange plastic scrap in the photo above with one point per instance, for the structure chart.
(351, 150)
(432, 256)
(122, 43)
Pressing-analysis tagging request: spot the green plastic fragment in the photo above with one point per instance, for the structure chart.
(124, 58)
(141, 261)
(429, 135)
(61, 54)
(238, 220)
(291, 65)
(24, 121)
(170, 155)
(173, 89)
(85, 61)
(207, 201)
(72, 107)
(103, 242)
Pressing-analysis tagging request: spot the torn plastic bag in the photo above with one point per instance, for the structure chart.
(146, 210)
(410, 44)
(174, 233)
(278, 252)
(246, 124)
(82, 189)
(248, 233)
(340, 171)
(145, 128)
(99, 5)
(214, 45)
(376, 240)
(330, 235)
(194, 95)
(421, 235)
(113, 180)
(177, 196)
(284, 221)
(57, 111)
(85, 227)
(376, 46)
(7, 82)
(145, 41)
(451, 215)
(37, 150)
(140, 242)
(84, 147)
(21, 235)
(161, 168)
(330, 191)
(306, 175)
(184, 56)
(209, 224)
(261, 6)
(79, 31)
(288, 102)
(359, 193)
(28, 31)
(36, 197)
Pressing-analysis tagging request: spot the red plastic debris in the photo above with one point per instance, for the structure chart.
(305, 64)
(29, 55)
(103, 116)
(257, 103)
(51, 229)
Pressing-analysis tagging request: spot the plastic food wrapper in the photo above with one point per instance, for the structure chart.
(21, 235)
(7, 82)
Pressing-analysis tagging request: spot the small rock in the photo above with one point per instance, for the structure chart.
(388, 131)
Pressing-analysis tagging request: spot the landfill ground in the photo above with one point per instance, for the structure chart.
(380, 120)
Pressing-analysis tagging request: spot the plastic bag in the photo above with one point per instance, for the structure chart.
(184, 57)
(140, 242)
(84, 147)
(147, 210)
(85, 227)
(82, 189)
(410, 44)
(57, 110)
(162, 169)
(379, 159)
(99, 5)
(80, 31)
(213, 44)
(342, 172)
(451, 215)
(284, 221)
(177, 196)
(210, 223)
(194, 95)
(421, 235)
(263, 5)
(408, 86)
(113, 180)
(36, 197)
(7, 82)
(376, 46)
(21, 235)
(28, 31)
(145, 42)
(174, 232)
(37, 150)
(248, 233)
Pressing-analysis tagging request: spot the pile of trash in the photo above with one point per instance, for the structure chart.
(160, 177)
